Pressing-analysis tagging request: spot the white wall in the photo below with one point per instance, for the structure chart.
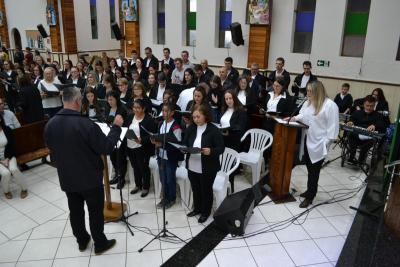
(25, 15)
(206, 26)
(83, 27)
(382, 40)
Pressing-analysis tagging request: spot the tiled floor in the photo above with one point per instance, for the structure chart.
(36, 231)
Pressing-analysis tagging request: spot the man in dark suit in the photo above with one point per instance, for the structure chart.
(76, 144)
(199, 75)
(344, 100)
(150, 59)
(233, 74)
(258, 81)
(208, 73)
(280, 71)
(168, 60)
(299, 87)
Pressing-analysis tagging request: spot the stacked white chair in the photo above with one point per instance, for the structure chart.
(229, 160)
(260, 140)
(182, 179)
(153, 165)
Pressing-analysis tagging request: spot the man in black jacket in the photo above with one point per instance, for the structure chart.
(150, 59)
(280, 71)
(76, 144)
(233, 74)
(299, 87)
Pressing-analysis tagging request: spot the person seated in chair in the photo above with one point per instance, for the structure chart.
(371, 120)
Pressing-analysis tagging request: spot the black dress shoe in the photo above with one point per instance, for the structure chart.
(144, 193)
(202, 219)
(83, 246)
(100, 250)
(306, 202)
(193, 213)
(135, 190)
(114, 180)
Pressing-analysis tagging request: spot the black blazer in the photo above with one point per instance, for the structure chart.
(149, 124)
(208, 73)
(297, 80)
(251, 101)
(143, 75)
(286, 78)
(228, 85)
(284, 105)
(211, 138)
(76, 144)
(9, 150)
(121, 110)
(233, 75)
(153, 62)
(31, 104)
(80, 84)
(170, 62)
(344, 103)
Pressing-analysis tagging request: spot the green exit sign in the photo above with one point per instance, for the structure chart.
(323, 63)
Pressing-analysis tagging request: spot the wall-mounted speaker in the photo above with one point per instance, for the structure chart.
(42, 31)
(117, 32)
(237, 35)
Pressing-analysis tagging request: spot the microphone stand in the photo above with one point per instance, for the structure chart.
(164, 231)
(124, 218)
(297, 109)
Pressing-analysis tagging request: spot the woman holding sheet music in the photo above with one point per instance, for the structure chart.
(322, 117)
(233, 123)
(245, 95)
(49, 92)
(199, 98)
(118, 156)
(203, 167)
(275, 104)
(140, 149)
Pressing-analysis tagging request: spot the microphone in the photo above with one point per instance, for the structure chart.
(297, 109)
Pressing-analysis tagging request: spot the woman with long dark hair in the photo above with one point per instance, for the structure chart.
(90, 106)
(246, 96)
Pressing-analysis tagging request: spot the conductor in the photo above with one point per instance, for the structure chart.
(76, 144)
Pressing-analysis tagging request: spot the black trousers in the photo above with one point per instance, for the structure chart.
(364, 145)
(94, 199)
(202, 192)
(140, 164)
(119, 162)
(313, 170)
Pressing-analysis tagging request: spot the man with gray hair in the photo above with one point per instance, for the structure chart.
(76, 144)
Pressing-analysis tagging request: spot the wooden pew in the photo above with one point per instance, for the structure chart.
(29, 142)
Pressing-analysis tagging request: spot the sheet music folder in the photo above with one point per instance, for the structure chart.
(185, 149)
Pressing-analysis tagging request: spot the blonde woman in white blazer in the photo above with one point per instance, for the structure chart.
(322, 116)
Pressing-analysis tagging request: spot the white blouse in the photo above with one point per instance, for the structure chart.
(272, 104)
(136, 129)
(226, 118)
(195, 159)
(242, 97)
(3, 143)
(323, 128)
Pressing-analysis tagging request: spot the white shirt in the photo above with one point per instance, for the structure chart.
(323, 128)
(54, 101)
(195, 159)
(136, 129)
(3, 143)
(242, 97)
(304, 81)
(184, 98)
(119, 62)
(160, 93)
(226, 118)
(273, 102)
(10, 119)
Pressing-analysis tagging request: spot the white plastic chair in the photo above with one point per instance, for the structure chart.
(261, 140)
(230, 161)
(153, 165)
(182, 179)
